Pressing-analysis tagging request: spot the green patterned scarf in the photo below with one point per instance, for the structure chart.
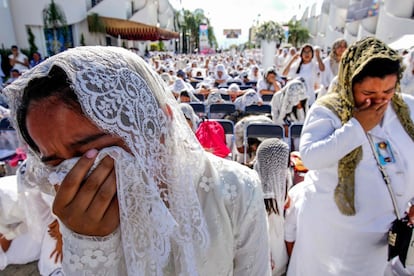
(341, 102)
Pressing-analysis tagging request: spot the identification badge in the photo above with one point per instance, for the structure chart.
(384, 152)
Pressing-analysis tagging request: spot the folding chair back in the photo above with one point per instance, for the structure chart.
(267, 98)
(260, 130)
(258, 109)
(199, 108)
(223, 108)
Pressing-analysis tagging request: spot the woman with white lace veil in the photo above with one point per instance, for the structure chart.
(161, 205)
(272, 159)
(290, 104)
(250, 97)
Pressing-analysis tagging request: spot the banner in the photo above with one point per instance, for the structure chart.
(203, 37)
(232, 33)
(362, 9)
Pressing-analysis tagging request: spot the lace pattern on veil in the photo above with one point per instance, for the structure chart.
(119, 92)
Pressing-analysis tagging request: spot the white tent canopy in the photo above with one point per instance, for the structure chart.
(404, 42)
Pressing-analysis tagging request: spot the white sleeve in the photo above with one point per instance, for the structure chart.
(324, 136)
(86, 255)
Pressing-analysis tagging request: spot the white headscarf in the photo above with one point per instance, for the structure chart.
(220, 68)
(119, 92)
(189, 114)
(272, 157)
(250, 97)
(286, 99)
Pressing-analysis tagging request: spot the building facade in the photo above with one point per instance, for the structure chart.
(387, 20)
(17, 16)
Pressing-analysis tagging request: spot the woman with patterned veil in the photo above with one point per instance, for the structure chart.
(272, 159)
(136, 192)
(346, 211)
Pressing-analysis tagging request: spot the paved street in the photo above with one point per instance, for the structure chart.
(29, 269)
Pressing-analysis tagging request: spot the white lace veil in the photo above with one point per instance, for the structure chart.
(283, 102)
(119, 92)
(272, 157)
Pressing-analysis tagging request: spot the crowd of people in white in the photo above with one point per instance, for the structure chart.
(29, 230)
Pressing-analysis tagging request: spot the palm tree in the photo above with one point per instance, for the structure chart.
(96, 25)
(54, 18)
(297, 33)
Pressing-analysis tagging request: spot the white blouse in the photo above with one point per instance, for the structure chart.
(328, 242)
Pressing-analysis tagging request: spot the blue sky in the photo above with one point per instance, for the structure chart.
(242, 14)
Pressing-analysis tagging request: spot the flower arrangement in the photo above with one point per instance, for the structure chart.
(270, 31)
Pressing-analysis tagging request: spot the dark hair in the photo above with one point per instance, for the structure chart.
(55, 84)
(301, 52)
(379, 68)
(14, 47)
(271, 206)
(270, 70)
(184, 93)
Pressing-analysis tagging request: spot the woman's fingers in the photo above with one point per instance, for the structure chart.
(103, 197)
(92, 207)
(73, 180)
(93, 183)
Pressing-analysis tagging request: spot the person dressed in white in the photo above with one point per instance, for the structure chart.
(220, 75)
(268, 85)
(137, 194)
(18, 60)
(331, 63)
(290, 104)
(303, 65)
(345, 215)
(254, 73)
(250, 97)
(271, 163)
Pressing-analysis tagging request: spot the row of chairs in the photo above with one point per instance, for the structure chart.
(227, 108)
(262, 130)
(226, 97)
(242, 86)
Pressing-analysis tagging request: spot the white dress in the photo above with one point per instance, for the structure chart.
(277, 244)
(309, 72)
(328, 242)
(234, 212)
(20, 57)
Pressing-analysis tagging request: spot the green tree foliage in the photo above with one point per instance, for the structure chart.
(188, 24)
(297, 34)
(97, 26)
(82, 40)
(31, 39)
(95, 23)
(54, 18)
